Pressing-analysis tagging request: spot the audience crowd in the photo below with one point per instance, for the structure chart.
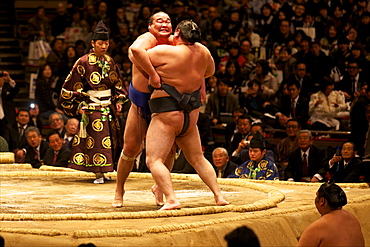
(300, 65)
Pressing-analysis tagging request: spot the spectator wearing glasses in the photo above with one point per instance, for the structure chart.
(221, 162)
(36, 148)
(350, 84)
(57, 123)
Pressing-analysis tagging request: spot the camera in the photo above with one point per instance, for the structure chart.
(32, 106)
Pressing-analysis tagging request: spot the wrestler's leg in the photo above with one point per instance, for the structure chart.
(133, 137)
(161, 135)
(190, 145)
(170, 160)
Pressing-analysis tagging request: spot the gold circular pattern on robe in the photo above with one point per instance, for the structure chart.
(78, 86)
(79, 158)
(81, 69)
(66, 105)
(99, 159)
(106, 142)
(95, 78)
(97, 125)
(66, 94)
(76, 140)
(90, 142)
(113, 76)
(92, 58)
(119, 84)
(101, 87)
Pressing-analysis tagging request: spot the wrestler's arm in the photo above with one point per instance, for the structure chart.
(210, 63)
(139, 56)
(209, 72)
(158, 53)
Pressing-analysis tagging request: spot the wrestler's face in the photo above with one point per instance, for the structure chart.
(161, 25)
(55, 142)
(219, 158)
(33, 139)
(256, 154)
(100, 47)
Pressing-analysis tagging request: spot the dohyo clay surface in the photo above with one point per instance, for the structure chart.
(62, 207)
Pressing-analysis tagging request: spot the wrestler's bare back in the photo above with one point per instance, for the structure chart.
(197, 65)
(337, 228)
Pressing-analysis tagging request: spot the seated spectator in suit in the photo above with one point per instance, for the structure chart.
(14, 134)
(231, 128)
(351, 81)
(56, 154)
(257, 167)
(221, 102)
(221, 162)
(346, 168)
(244, 126)
(241, 155)
(293, 105)
(36, 148)
(71, 131)
(307, 86)
(325, 105)
(287, 145)
(306, 163)
(35, 116)
(57, 123)
(255, 102)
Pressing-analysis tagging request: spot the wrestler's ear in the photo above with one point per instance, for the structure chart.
(177, 33)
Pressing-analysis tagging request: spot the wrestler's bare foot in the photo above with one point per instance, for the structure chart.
(220, 201)
(158, 195)
(171, 205)
(118, 200)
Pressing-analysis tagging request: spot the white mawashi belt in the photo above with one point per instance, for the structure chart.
(94, 95)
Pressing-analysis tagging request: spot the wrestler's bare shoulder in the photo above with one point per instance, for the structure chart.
(146, 40)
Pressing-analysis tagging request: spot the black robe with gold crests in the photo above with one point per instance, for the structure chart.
(100, 149)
